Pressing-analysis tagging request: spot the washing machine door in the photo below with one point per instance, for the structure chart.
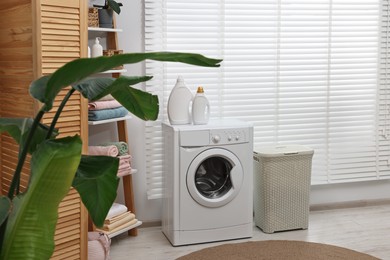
(214, 177)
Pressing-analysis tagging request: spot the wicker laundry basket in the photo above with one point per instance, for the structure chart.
(282, 187)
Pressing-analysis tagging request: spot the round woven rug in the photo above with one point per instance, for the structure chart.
(276, 249)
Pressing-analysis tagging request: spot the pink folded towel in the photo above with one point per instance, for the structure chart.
(107, 104)
(110, 150)
(123, 172)
(125, 159)
(124, 166)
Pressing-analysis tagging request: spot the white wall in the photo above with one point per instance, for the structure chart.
(131, 40)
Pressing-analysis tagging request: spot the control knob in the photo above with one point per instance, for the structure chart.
(216, 139)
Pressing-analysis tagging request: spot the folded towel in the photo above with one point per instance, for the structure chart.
(123, 148)
(124, 166)
(98, 105)
(98, 246)
(125, 159)
(108, 97)
(96, 115)
(116, 218)
(128, 224)
(115, 210)
(110, 150)
(123, 172)
(126, 219)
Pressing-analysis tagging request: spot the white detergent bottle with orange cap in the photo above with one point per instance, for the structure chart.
(179, 104)
(200, 108)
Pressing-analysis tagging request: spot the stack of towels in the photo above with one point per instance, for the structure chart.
(115, 149)
(105, 108)
(117, 219)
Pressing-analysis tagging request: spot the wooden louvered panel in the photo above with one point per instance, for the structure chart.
(61, 43)
(66, 39)
(16, 69)
(67, 237)
(66, 250)
(37, 37)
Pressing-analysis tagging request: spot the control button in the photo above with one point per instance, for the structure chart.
(237, 138)
(229, 138)
(216, 138)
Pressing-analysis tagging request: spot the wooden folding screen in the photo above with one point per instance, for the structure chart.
(36, 38)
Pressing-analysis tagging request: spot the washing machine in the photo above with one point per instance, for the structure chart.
(208, 171)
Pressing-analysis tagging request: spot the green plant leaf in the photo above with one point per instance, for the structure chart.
(115, 6)
(96, 88)
(18, 128)
(38, 88)
(97, 183)
(32, 222)
(138, 102)
(5, 208)
(79, 69)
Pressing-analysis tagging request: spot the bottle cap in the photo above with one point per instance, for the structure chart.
(200, 90)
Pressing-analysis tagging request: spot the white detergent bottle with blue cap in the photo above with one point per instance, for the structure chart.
(179, 104)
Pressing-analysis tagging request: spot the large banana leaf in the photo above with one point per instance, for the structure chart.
(19, 128)
(5, 208)
(79, 69)
(95, 88)
(143, 105)
(31, 224)
(97, 183)
(140, 103)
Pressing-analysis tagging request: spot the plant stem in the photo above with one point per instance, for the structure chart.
(23, 154)
(58, 113)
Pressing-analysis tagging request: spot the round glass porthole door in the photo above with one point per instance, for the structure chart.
(214, 177)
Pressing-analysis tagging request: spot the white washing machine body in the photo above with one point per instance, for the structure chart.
(208, 174)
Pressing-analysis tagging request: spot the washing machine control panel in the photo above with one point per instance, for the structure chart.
(229, 136)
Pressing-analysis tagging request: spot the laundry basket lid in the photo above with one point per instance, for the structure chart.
(282, 150)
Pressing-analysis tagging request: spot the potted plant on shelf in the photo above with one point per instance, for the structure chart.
(28, 219)
(106, 12)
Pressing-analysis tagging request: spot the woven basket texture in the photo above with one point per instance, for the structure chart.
(282, 192)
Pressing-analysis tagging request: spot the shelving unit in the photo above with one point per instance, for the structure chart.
(121, 126)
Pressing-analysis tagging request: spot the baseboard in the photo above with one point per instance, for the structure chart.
(147, 224)
(349, 204)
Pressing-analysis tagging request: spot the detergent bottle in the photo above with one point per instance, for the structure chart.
(179, 104)
(200, 108)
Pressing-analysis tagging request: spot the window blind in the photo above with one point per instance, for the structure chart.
(384, 93)
(302, 71)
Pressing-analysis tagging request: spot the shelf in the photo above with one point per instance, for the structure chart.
(106, 121)
(99, 29)
(125, 229)
(111, 41)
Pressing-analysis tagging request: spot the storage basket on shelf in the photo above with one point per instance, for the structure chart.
(282, 177)
(93, 17)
